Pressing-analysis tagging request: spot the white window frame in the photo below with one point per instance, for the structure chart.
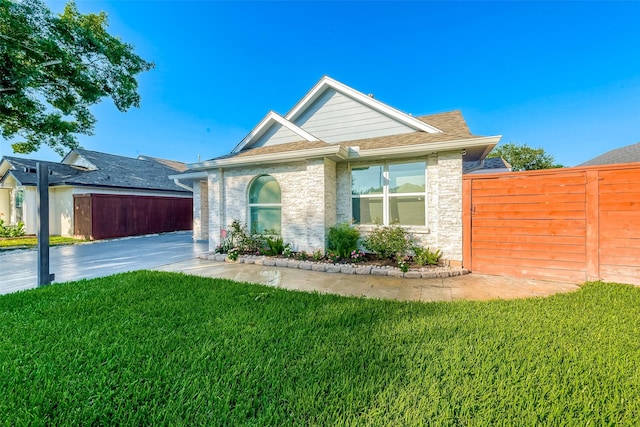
(262, 205)
(386, 195)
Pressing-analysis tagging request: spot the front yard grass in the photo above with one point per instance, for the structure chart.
(147, 348)
(32, 241)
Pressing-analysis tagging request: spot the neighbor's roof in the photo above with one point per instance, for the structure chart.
(488, 165)
(452, 125)
(110, 171)
(627, 154)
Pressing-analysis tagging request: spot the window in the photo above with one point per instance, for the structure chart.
(264, 205)
(389, 194)
(19, 200)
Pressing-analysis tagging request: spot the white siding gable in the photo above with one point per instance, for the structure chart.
(335, 117)
(74, 159)
(276, 134)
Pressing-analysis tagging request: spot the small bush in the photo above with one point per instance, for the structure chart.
(388, 242)
(317, 255)
(343, 239)
(424, 256)
(276, 246)
(11, 230)
(238, 236)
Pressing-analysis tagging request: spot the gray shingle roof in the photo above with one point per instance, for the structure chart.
(627, 154)
(492, 164)
(111, 171)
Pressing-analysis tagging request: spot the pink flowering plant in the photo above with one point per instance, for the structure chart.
(357, 256)
(333, 257)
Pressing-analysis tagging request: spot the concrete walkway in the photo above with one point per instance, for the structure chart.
(176, 252)
(468, 287)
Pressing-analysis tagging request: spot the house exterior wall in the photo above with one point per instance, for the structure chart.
(5, 205)
(307, 200)
(335, 117)
(277, 134)
(200, 211)
(444, 203)
(60, 205)
(29, 210)
(316, 195)
(61, 211)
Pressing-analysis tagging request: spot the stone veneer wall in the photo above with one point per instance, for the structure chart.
(316, 194)
(444, 203)
(308, 201)
(200, 211)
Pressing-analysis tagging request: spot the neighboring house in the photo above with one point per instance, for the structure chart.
(340, 156)
(489, 165)
(84, 174)
(626, 154)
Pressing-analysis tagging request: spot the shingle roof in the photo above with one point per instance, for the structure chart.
(111, 171)
(492, 164)
(24, 170)
(627, 154)
(451, 124)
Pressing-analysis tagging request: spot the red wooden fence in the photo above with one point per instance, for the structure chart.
(103, 216)
(573, 224)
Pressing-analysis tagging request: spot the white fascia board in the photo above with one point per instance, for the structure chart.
(189, 176)
(271, 118)
(381, 107)
(335, 151)
(426, 148)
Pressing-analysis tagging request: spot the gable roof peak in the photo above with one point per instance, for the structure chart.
(327, 82)
(269, 120)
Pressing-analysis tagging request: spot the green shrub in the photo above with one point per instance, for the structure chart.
(317, 255)
(276, 246)
(388, 241)
(424, 256)
(11, 230)
(343, 239)
(238, 236)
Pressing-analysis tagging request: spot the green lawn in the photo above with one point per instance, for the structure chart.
(151, 348)
(32, 241)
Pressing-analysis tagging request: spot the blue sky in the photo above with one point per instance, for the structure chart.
(564, 76)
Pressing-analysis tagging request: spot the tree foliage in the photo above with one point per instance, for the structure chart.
(53, 68)
(522, 157)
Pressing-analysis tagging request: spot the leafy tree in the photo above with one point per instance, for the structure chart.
(522, 157)
(53, 68)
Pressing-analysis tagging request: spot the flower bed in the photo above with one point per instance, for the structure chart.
(363, 268)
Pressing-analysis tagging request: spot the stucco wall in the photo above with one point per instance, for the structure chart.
(5, 205)
(61, 211)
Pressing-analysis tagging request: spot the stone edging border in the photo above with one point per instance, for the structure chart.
(422, 273)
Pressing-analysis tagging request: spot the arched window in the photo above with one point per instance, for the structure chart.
(264, 205)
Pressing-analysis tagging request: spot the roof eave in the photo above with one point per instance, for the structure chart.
(481, 145)
(189, 176)
(336, 152)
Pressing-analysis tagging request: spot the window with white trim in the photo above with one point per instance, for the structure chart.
(389, 193)
(265, 205)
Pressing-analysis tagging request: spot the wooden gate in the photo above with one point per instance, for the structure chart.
(573, 224)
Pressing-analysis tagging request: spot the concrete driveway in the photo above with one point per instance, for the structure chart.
(18, 269)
